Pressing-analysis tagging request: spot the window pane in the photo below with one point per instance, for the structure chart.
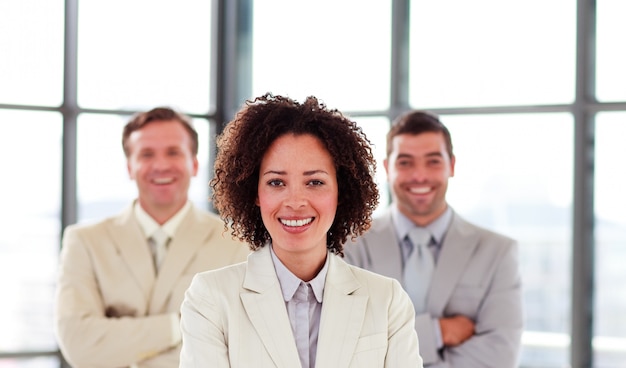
(30, 219)
(31, 43)
(611, 75)
(375, 129)
(338, 51)
(103, 185)
(609, 320)
(513, 175)
(492, 52)
(142, 53)
(43, 362)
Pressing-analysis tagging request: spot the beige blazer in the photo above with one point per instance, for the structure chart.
(477, 275)
(108, 267)
(236, 317)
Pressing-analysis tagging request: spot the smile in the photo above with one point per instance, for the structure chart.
(420, 190)
(296, 223)
(163, 180)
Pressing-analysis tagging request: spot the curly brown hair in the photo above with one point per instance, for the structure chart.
(247, 137)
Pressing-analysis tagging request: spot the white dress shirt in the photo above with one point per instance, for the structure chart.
(149, 226)
(438, 229)
(304, 308)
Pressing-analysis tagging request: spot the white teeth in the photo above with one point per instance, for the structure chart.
(295, 223)
(163, 180)
(421, 190)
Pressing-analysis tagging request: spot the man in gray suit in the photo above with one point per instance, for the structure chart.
(120, 288)
(464, 282)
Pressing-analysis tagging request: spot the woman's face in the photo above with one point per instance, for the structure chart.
(297, 194)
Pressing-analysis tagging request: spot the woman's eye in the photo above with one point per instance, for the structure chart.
(316, 182)
(275, 183)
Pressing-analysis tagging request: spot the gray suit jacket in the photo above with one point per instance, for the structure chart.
(106, 268)
(236, 317)
(477, 275)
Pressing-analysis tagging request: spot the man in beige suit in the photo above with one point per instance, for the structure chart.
(119, 289)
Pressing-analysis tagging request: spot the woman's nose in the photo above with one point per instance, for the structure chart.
(296, 197)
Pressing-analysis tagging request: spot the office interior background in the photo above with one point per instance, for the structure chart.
(533, 92)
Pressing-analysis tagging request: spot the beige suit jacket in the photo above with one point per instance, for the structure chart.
(477, 276)
(236, 317)
(108, 266)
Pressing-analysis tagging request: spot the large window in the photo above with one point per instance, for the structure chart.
(610, 326)
(142, 53)
(30, 147)
(611, 74)
(492, 53)
(517, 82)
(120, 57)
(31, 40)
(503, 78)
(514, 174)
(336, 50)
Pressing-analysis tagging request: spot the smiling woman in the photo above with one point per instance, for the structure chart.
(67, 88)
(298, 200)
(295, 181)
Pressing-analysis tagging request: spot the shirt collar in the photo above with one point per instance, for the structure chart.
(149, 225)
(289, 282)
(437, 228)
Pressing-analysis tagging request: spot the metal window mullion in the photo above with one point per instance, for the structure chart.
(583, 246)
(234, 57)
(400, 45)
(232, 66)
(69, 109)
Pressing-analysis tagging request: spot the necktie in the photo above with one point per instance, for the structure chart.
(303, 323)
(418, 267)
(158, 242)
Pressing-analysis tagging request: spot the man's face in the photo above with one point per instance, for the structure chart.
(418, 169)
(161, 162)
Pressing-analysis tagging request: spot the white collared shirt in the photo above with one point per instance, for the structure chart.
(148, 225)
(304, 307)
(438, 228)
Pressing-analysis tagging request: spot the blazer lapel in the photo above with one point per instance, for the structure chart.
(382, 242)
(342, 316)
(264, 304)
(133, 248)
(189, 237)
(456, 250)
